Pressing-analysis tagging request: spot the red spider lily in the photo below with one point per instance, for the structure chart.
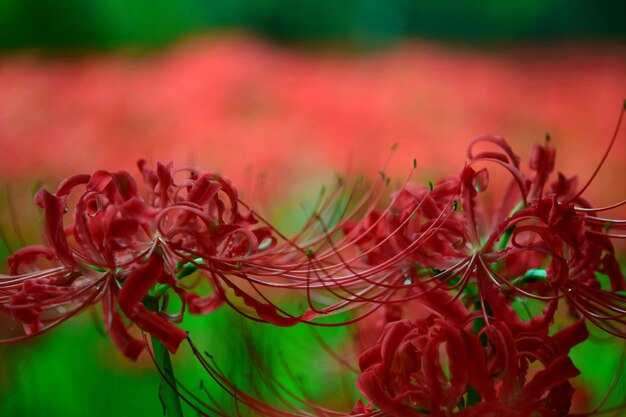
(441, 365)
(438, 246)
(554, 228)
(542, 241)
(438, 367)
(415, 211)
(120, 248)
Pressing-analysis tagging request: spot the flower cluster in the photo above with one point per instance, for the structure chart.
(444, 365)
(125, 251)
(469, 264)
(448, 264)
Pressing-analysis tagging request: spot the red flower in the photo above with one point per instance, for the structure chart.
(558, 232)
(119, 246)
(540, 240)
(437, 367)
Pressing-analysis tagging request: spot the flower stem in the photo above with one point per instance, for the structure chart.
(168, 395)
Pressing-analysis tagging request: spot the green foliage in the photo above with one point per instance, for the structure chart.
(103, 24)
(75, 371)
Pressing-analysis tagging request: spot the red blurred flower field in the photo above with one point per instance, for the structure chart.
(246, 108)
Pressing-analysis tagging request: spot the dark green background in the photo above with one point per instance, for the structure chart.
(105, 24)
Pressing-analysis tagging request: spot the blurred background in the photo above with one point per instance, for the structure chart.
(281, 95)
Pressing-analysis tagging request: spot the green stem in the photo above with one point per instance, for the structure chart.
(167, 392)
(168, 395)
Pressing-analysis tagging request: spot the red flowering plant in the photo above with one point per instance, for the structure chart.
(442, 363)
(464, 264)
(544, 242)
(440, 366)
(124, 250)
(477, 353)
